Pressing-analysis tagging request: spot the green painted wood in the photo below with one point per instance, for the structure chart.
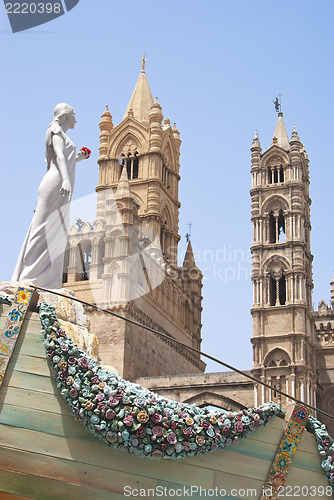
(28, 381)
(48, 489)
(253, 445)
(98, 454)
(32, 399)
(302, 477)
(30, 364)
(247, 488)
(247, 461)
(44, 421)
(30, 344)
(68, 471)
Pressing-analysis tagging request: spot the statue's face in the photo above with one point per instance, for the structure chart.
(71, 119)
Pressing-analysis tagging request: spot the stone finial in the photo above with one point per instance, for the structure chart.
(106, 123)
(143, 61)
(332, 292)
(256, 143)
(294, 135)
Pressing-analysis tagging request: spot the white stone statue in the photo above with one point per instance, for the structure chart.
(42, 254)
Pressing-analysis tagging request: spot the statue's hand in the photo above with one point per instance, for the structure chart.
(83, 154)
(66, 189)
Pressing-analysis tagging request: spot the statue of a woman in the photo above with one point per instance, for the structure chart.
(42, 253)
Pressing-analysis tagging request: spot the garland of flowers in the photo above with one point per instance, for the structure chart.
(325, 447)
(133, 419)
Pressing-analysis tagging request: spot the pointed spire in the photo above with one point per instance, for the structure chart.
(294, 135)
(123, 189)
(189, 259)
(280, 137)
(256, 143)
(332, 292)
(141, 100)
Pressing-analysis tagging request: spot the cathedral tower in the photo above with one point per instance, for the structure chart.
(126, 260)
(283, 338)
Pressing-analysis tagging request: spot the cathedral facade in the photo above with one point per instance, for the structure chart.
(126, 262)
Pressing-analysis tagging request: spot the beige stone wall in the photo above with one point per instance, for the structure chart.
(226, 390)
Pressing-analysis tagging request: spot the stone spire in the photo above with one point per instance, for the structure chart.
(141, 100)
(280, 137)
(189, 259)
(256, 143)
(294, 135)
(123, 189)
(332, 292)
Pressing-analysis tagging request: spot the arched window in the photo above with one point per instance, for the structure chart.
(277, 289)
(66, 264)
(135, 166)
(165, 175)
(282, 290)
(270, 176)
(272, 289)
(277, 357)
(281, 174)
(128, 166)
(276, 227)
(85, 253)
(272, 228)
(281, 227)
(131, 161)
(275, 175)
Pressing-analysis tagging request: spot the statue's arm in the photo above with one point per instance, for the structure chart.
(58, 147)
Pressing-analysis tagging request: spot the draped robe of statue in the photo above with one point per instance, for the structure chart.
(42, 254)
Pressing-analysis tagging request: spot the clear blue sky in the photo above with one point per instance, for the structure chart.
(216, 67)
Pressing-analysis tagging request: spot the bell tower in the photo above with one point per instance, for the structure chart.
(283, 338)
(126, 259)
(150, 151)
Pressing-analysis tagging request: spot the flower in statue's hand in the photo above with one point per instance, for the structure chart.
(84, 152)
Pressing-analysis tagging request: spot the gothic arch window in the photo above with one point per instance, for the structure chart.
(281, 227)
(131, 162)
(85, 255)
(277, 357)
(135, 166)
(276, 227)
(275, 175)
(272, 228)
(277, 288)
(66, 264)
(282, 290)
(165, 175)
